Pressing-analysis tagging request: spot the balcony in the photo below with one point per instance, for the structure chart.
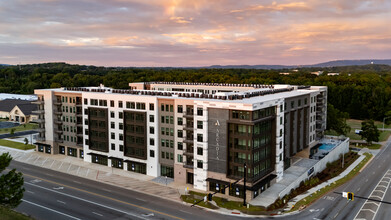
(79, 144)
(188, 166)
(40, 139)
(58, 140)
(56, 112)
(188, 128)
(39, 121)
(190, 153)
(58, 131)
(40, 130)
(188, 115)
(79, 104)
(39, 112)
(38, 102)
(57, 103)
(56, 121)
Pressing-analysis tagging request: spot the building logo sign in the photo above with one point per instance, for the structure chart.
(217, 139)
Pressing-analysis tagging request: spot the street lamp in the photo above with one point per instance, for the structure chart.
(384, 120)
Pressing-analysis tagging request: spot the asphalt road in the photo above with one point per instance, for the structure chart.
(20, 133)
(370, 187)
(53, 195)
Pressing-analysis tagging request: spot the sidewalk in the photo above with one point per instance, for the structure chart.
(135, 181)
(121, 178)
(324, 184)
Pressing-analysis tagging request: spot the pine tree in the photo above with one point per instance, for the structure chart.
(11, 184)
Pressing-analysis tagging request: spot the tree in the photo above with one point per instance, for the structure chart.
(12, 131)
(369, 131)
(26, 141)
(11, 184)
(336, 120)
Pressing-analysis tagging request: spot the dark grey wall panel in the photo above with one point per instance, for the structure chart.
(217, 140)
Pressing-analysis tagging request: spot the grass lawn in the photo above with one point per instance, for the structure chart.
(8, 214)
(223, 203)
(372, 146)
(17, 145)
(24, 127)
(311, 198)
(356, 124)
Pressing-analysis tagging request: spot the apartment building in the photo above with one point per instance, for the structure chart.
(196, 133)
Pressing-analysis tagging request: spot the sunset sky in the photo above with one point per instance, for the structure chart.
(193, 32)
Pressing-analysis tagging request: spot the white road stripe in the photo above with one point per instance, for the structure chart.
(97, 214)
(61, 202)
(85, 200)
(69, 216)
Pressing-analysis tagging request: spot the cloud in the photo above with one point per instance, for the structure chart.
(187, 32)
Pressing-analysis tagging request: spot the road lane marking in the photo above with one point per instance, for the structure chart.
(44, 161)
(52, 164)
(44, 207)
(61, 165)
(87, 172)
(358, 189)
(141, 199)
(107, 190)
(371, 196)
(77, 171)
(98, 204)
(76, 182)
(69, 168)
(61, 202)
(36, 159)
(97, 214)
(186, 212)
(30, 191)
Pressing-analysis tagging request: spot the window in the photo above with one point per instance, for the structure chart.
(121, 147)
(200, 124)
(112, 146)
(112, 115)
(162, 119)
(162, 107)
(151, 118)
(152, 130)
(281, 120)
(200, 138)
(85, 101)
(180, 158)
(167, 119)
(305, 101)
(280, 144)
(140, 105)
(120, 104)
(151, 153)
(180, 121)
(172, 120)
(111, 103)
(180, 109)
(112, 125)
(292, 104)
(112, 135)
(180, 146)
(280, 132)
(151, 106)
(162, 131)
(200, 151)
(199, 164)
(120, 115)
(121, 126)
(121, 137)
(171, 156)
(171, 108)
(199, 111)
(151, 141)
(171, 131)
(299, 103)
(180, 133)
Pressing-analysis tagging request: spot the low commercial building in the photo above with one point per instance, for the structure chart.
(204, 134)
(20, 111)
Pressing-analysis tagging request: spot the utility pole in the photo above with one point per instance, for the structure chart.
(244, 185)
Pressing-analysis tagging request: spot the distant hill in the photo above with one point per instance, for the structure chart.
(335, 63)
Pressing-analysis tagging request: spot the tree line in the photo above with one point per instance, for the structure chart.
(364, 92)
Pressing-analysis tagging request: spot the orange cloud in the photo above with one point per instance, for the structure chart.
(192, 38)
(276, 7)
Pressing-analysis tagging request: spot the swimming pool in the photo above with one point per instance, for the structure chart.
(7, 124)
(327, 147)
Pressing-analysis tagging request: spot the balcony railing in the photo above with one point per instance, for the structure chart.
(39, 121)
(39, 112)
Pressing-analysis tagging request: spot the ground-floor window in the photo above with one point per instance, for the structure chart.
(81, 155)
(48, 149)
(137, 167)
(167, 171)
(236, 191)
(99, 159)
(62, 150)
(217, 187)
(40, 148)
(72, 152)
(117, 163)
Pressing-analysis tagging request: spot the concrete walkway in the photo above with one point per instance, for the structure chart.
(118, 177)
(327, 183)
